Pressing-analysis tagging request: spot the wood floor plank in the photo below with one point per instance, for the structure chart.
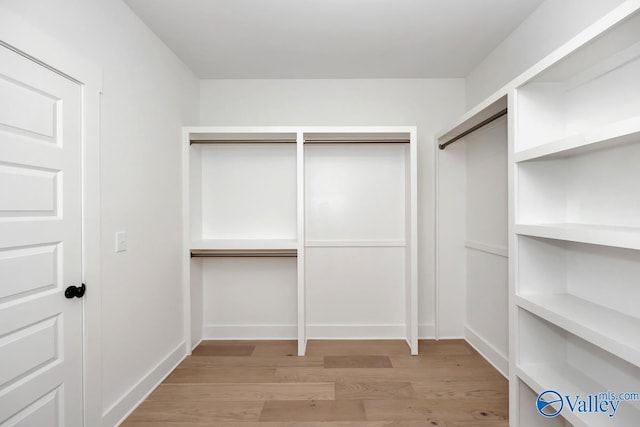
(321, 410)
(222, 375)
(357, 347)
(377, 375)
(458, 410)
(256, 362)
(185, 411)
(369, 391)
(448, 347)
(428, 422)
(436, 361)
(357, 362)
(276, 348)
(244, 392)
(215, 348)
(462, 389)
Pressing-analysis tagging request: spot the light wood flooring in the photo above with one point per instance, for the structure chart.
(337, 384)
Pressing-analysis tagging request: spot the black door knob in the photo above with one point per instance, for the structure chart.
(75, 291)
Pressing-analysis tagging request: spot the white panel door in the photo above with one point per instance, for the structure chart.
(40, 245)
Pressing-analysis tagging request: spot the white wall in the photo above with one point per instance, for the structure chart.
(487, 320)
(451, 265)
(553, 23)
(147, 95)
(427, 103)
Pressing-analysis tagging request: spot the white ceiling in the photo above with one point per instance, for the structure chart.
(332, 38)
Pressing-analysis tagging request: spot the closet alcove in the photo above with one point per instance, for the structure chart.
(300, 233)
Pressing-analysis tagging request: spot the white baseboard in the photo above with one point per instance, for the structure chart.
(452, 332)
(116, 414)
(356, 332)
(426, 331)
(194, 345)
(488, 351)
(289, 332)
(250, 332)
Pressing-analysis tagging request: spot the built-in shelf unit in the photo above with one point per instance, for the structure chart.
(575, 242)
(284, 226)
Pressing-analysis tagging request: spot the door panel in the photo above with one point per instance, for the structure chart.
(30, 269)
(43, 412)
(40, 245)
(41, 119)
(28, 191)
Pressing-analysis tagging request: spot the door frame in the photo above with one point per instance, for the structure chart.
(29, 41)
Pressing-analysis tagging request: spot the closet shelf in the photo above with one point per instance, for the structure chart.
(616, 236)
(244, 245)
(569, 381)
(206, 135)
(608, 136)
(606, 328)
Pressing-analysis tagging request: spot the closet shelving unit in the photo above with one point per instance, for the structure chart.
(247, 199)
(240, 227)
(574, 221)
(575, 241)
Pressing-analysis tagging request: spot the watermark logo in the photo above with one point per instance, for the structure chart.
(550, 403)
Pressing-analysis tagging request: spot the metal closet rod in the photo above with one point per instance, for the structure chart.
(474, 128)
(357, 141)
(289, 141)
(242, 141)
(243, 254)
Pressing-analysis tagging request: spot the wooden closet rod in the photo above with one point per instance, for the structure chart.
(473, 129)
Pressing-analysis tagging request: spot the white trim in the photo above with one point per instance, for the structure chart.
(436, 237)
(317, 331)
(450, 336)
(296, 129)
(194, 345)
(130, 400)
(22, 37)
(492, 105)
(92, 232)
(487, 248)
(250, 332)
(267, 332)
(357, 332)
(413, 244)
(300, 234)
(512, 178)
(488, 351)
(186, 242)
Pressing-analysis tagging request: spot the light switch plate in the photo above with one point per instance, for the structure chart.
(121, 241)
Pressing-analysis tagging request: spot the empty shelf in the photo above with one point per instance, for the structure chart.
(608, 329)
(621, 237)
